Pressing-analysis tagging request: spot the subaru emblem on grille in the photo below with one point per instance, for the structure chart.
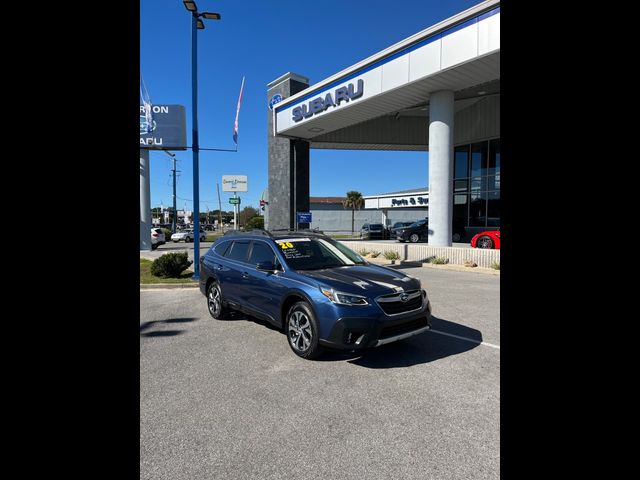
(404, 297)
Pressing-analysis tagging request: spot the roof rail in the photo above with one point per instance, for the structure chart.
(300, 230)
(256, 231)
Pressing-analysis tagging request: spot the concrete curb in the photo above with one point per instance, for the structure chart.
(168, 285)
(462, 268)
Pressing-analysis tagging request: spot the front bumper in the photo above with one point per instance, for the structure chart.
(354, 333)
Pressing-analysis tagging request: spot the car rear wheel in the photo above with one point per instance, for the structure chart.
(302, 331)
(456, 237)
(215, 302)
(187, 240)
(484, 242)
(414, 238)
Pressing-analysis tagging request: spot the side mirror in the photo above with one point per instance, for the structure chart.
(266, 266)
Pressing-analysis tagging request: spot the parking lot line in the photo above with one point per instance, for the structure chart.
(465, 338)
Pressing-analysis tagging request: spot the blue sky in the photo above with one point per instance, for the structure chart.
(261, 40)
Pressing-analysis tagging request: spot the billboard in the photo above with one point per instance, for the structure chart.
(166, 131)
(234, 183)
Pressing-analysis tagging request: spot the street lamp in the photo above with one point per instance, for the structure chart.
(196, 24)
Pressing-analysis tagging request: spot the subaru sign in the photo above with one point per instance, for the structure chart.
(321, 103)
(275, 99)
(167, 129)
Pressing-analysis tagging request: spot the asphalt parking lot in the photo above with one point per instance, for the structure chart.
(230, 400)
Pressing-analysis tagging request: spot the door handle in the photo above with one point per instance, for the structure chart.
(245, 275)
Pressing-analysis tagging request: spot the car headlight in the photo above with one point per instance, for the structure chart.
(342, 298)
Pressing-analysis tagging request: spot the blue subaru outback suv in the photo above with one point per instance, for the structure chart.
(317, 290)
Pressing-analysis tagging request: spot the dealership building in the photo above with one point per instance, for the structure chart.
(437, 91)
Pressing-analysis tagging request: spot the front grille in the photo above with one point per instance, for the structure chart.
(392, 305)
(403, 327)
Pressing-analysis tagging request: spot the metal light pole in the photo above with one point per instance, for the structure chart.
(196, 24)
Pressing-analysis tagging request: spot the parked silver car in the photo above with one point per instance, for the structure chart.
(187, 236)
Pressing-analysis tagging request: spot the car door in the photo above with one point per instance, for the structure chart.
(261, 291)
(230, 274)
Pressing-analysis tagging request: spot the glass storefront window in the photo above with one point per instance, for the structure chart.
(493, 209)
(460, 209)
(478, 183)
(478, 210)
(460, 185)
(461, 159)
(479, 159)
(494, 157)
(493, 182)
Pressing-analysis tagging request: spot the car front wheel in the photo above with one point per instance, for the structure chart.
(414, 238)
(484, 242)
(302, 331)
(455, 237)
(215, 303)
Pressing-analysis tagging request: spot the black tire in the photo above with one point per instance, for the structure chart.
(484, 242)
(187, 240)
(301, 329)
(154, 246)
(215, 302)
(414, 237)
(456, 237)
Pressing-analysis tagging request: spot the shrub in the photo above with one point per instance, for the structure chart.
(439, 260)
(255, 222)
(495, 265)
(170, 265)
(363, 252)
(391, 255)
(374, 254)
(167, 234)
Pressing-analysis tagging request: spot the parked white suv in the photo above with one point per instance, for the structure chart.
(157, 238)
(187, 236)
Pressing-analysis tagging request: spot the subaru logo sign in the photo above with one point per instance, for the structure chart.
(404, 297)
(275, 99)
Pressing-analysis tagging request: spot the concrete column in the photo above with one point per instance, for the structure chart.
(288, 163)
(384, 217)
(440, 167)
(145, 201)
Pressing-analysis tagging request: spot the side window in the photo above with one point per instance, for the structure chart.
(238, 251)
(261, 252)
(222, 248)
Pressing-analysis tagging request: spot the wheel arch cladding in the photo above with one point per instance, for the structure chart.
(294, 297)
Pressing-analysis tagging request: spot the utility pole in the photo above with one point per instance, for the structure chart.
(175, 208)
(219, 206)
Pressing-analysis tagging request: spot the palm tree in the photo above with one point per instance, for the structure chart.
(354, 200)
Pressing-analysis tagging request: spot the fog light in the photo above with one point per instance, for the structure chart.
(354, 337)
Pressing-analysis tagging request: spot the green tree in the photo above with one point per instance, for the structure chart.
(246, 213)
(255, 222)
(353, 201)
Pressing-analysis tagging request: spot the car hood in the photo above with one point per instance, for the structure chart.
(363, 279)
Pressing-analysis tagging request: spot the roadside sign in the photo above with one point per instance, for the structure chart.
(234, 200)
(304, 217)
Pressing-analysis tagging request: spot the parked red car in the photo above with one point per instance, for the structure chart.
(489, 239)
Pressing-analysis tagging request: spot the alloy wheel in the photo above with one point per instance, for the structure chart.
(214, 301)
(299, 331)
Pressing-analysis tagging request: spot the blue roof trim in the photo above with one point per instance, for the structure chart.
(382, 61)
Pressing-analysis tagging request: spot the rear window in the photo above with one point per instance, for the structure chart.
(157, 230)
(221, 248)
(238, 251)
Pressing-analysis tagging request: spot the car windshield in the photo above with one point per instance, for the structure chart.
(419, 223)
(303, 253)
(375, 226)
